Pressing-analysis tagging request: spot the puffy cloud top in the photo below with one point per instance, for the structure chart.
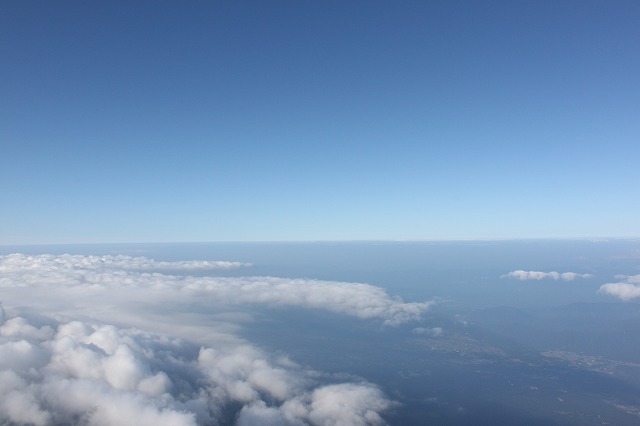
(79, 372)
(627, 289)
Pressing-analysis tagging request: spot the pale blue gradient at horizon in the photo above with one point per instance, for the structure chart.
(221, 121)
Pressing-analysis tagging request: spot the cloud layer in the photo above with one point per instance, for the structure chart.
(110, 340)
(71, 262)
(627, 289)
(538, 275)
(82, 275)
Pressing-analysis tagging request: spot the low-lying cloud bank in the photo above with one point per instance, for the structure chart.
(109, 340)
(538, 275)
(82, 275)
(627, 289)
(69, 262)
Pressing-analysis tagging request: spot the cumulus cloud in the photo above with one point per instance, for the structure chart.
(538, 275)
(627, 289)
(111, 340)
(80, 372)
(346, 404)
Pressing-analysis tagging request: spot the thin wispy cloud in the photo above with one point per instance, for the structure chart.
(429, 331)
(70, 262)
(539, 275)
(110, 340)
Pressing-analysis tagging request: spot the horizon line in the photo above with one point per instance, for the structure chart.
(373, 240)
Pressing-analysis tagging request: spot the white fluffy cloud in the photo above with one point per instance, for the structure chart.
(81, 372)
(627, 289)
(538, 275)
(116, 342)
(346, 404)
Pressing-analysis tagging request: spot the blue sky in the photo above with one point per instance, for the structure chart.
(297, 120)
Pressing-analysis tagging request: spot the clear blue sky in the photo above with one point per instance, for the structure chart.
(144, 121)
